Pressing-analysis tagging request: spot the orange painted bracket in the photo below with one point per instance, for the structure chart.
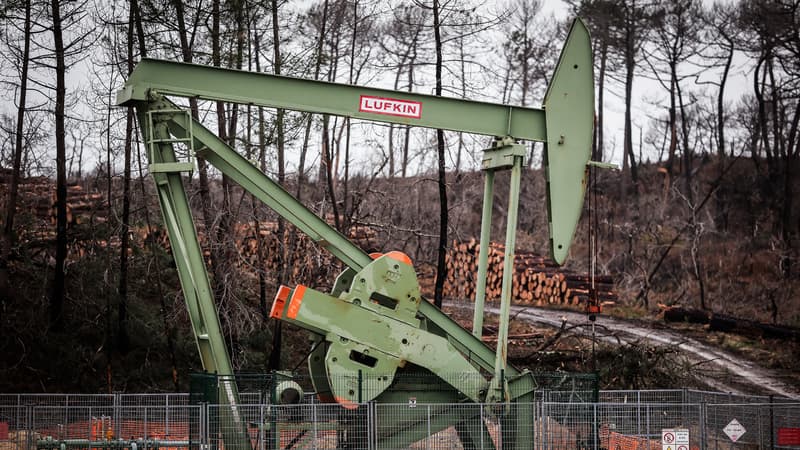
(279, 302)
(400, 256)
(296, 301)
(395, 255)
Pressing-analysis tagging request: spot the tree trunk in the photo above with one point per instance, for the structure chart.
(598, 153)
(628, 142)
(288, 246)
(719, 195)
(687, 152)
(673, 120)
(442, 247)
(169, 329)
(7, 240)
(57, 292)
(762, 112)
(721, 104)
(317, 68)
(350, 79)
(122, 288)
(202, 169)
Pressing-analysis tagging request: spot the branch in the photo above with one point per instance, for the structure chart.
(715, 185)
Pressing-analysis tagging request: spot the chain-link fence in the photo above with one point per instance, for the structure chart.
(362, 387)
(621, 420)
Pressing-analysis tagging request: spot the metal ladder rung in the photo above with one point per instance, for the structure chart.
(171, 167)
(176, 166)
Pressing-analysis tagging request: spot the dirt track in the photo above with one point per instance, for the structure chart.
(743, 372)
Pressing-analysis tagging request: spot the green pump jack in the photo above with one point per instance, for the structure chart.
(374, 321)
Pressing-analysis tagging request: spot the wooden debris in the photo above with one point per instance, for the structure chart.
(536, 279)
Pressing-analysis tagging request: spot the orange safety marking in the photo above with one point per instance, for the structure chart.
(375, 255)
(594, 309)
(280, 300)
(346, 404)
(618, 441)
(294, 303)
(400, 256)
(95, 430)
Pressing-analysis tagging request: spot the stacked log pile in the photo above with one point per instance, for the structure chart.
(37, 195)
(309, 262)
(536, 279)
(89, 207)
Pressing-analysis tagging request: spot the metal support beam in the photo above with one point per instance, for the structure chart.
(499, 385)
(483, 253)
(379, 105)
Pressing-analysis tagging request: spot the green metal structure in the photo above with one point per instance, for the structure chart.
(374, 321)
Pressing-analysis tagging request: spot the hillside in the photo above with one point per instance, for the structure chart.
(724, 257)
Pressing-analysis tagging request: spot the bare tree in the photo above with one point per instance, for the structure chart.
(7, 240)
(403, 39)
(288, 245)
(674, 39)
(771, 36)
(58, 289)
(529, 50)
(635, 22)
(601, 16)
(721, 32)
(442, 183)
(675, 36)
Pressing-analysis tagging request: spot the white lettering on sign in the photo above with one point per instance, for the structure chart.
(734, 430)
(390, 106)
(676, 437)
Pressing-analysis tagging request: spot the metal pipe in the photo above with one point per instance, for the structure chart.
(508, 269)
(483, 253)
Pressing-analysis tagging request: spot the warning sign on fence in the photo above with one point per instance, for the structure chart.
(786, 436)
(674, 439)
(734, 430)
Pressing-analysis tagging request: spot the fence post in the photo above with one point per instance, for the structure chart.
(261, 422)
(594, 426)
(205, 426)
(370, 423)
(314, 422)
(639, 418)
(116, 407)
(428, 440)
(483, 427)
(702, 416)
(91, 422)
(360, 385)
(771, 422)
(29, 425)
(166, 416)
(544, 426)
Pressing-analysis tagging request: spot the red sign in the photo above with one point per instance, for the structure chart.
(788, 436)
(390, 106)
(3, 431)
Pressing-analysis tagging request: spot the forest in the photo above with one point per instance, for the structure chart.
(696, 102)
